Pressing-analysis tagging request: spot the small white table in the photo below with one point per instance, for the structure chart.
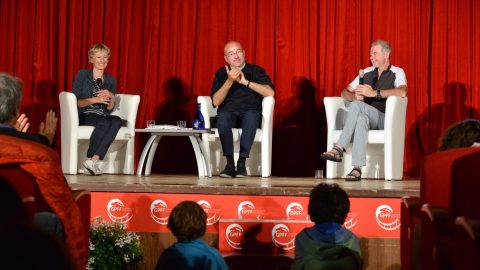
(203, 161)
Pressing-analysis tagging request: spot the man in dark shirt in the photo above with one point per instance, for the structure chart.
(367, 107)
(238, 90)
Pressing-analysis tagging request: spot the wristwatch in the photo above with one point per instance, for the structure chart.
(378, 96)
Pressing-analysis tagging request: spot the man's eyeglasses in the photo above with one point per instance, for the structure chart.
(231, 54)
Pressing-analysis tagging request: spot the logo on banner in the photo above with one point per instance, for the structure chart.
(282, 237)
(386, 218)
(118, 212)
(212, 214)
(246, 209)
(159, 212)
(234, 235)
(295, 211)
(351, 220)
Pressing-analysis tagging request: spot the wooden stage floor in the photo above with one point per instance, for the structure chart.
(273, 186)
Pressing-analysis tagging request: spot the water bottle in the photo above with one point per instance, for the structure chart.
(198, 121)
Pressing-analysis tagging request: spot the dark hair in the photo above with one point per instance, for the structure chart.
(461, 134)
(188, 221)
(328, 203)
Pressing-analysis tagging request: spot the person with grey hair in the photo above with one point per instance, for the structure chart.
(367, 96)
(12, 123)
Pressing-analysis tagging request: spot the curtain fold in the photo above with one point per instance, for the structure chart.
(167, 51)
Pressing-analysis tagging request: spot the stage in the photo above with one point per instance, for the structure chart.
(144, 202)
(272, 186)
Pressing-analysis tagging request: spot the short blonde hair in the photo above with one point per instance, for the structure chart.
(97, 48)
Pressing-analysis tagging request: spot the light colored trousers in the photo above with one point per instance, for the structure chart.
(360, 118)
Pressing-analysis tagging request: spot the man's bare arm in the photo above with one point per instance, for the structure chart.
(349, 94)
(263, 89)
(400, 91)
(221, 94)
(367, 91)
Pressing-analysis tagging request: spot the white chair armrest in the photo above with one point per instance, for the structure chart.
(69, 131)
(206, 108)
(395, 113)
(395, 116)
(126, 107)
(268, 104)
(333, 105)
(68, 110)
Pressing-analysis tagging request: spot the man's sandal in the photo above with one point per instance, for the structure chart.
(334, 155)
(354, 175)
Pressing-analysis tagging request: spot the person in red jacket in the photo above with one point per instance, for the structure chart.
(42, 163)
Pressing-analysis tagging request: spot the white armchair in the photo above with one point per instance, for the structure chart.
(260, 160)
(75, 138)
(385, 147)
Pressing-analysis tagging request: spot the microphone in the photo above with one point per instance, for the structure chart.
(361, 73)
(99, 83)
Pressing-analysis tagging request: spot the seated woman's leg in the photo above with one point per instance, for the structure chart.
(114, 123)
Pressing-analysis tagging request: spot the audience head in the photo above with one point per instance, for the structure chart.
(461, 134)
(187, 221)
(10, 97)
(328, 203)
(234, 54)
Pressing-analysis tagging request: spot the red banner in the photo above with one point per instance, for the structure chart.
(148, 212)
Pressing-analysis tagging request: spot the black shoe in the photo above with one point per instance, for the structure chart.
(229, 171)
(354, 175)
(241, 171)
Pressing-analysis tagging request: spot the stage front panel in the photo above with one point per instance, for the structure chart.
(149, 212)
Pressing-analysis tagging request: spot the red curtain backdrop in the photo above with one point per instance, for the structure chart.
(167, 52)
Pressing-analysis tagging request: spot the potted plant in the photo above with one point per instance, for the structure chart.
(112, 247)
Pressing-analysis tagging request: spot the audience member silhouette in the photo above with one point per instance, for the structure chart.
(327, 245)
(23, 246)
(32, 155)
(462, 134)
(188, 222)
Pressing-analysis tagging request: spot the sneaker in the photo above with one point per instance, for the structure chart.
(91, 167)
(229, 171)
(241, 171)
